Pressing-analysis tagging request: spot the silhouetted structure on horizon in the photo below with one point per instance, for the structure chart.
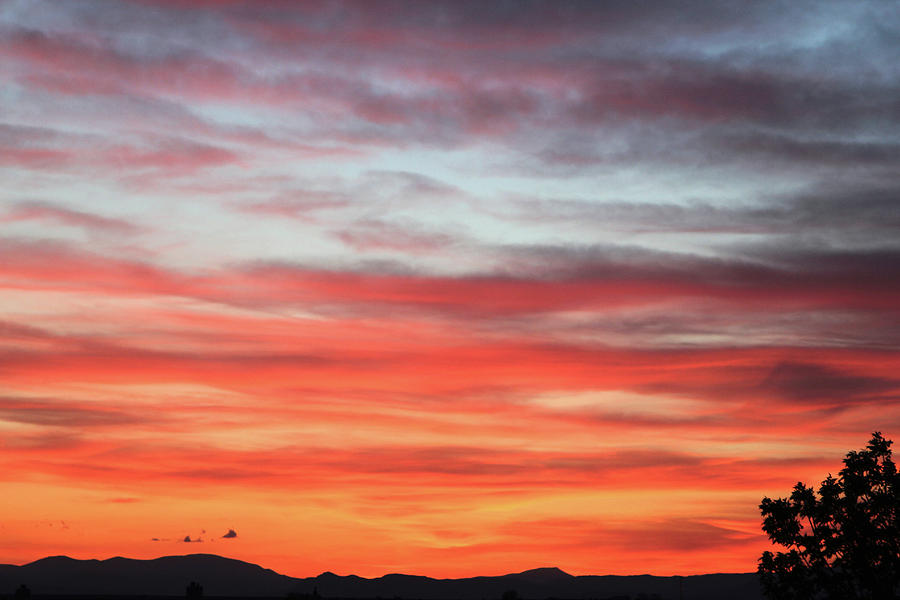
(510, 595)
(304, 595)
(194, 590)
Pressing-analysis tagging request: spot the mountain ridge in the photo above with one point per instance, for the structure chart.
(223, 576)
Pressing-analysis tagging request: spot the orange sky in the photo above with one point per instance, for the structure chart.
(450, 290)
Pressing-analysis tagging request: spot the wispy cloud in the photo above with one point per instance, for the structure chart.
(44, 211)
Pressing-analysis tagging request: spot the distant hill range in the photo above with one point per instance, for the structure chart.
(168, 576)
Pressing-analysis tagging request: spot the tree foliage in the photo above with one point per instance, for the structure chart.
(842, 541)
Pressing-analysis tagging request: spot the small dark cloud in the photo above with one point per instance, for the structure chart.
(187, 539)
(231, 534)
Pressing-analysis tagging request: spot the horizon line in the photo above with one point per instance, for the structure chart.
(549, 568)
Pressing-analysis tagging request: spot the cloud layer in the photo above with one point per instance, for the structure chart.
(449, 288)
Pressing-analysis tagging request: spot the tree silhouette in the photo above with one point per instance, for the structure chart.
(842, 542)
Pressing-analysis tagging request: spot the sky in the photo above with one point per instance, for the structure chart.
(445, 288)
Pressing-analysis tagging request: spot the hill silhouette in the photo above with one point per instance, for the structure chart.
(220, 576)
(166, 576)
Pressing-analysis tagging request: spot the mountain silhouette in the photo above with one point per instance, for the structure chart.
(220, 576)
(166, 576)
(544, 575)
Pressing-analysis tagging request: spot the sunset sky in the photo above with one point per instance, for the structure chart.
(444, 288)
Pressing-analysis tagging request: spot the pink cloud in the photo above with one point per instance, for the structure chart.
(24, 211)
(378, 235)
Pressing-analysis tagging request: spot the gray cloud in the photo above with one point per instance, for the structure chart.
(842, 210)
(806, 382)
